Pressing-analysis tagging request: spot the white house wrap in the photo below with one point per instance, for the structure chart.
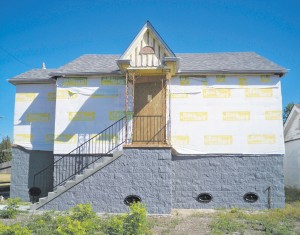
(34, 116)
(219, 114)
(86, 106)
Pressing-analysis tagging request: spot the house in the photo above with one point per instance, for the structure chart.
(171, 130)
(292, 148)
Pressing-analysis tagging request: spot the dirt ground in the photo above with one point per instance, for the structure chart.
(193, 222)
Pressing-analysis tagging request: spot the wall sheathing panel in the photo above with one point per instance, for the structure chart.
(226, 114)
(34, 116)
(85, 107)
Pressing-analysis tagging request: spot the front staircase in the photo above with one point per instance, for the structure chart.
(70, 169)
(76, 180)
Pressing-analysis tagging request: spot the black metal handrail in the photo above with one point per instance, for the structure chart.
(73, 163)
(148, 129)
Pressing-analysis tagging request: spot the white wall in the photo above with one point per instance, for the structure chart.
(294, 128)
(34, 115)
(292, 164)
(232, 114)
(84, 107)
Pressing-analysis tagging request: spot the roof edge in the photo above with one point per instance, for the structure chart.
(31, 81)
(202, 72)
(55, 74)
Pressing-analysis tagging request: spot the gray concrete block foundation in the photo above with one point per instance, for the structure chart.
(227, 179)
(25, 163)
(142, 172)
(164, 182)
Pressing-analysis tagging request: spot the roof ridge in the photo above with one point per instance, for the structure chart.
(232, 52)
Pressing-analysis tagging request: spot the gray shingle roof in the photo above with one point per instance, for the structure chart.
(231, 61)
(209, 62)
(201, 63)
(297, 105)
(34, 74)
(91, 63)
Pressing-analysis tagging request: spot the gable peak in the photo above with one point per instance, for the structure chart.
(148, 49)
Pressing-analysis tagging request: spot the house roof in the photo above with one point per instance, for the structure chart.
(228, 62)
(206, 63)
(33, 76)
(297, 105)
(90, 64)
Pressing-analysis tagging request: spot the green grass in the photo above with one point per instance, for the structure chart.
(275, 221)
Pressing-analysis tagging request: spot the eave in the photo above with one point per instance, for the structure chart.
(78, 74)
(279, 73)
(31, 81)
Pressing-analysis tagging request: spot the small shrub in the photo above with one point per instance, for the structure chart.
(113, 225)
(43, 224)
(132, 223)
(11, 210)
(82, 212)
(68, 226)
(81, 220)
(15, 229)
(136, 221)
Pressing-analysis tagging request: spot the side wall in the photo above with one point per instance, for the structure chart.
(292, 164)
(84, 107)
(142, 172)
(224, 114)
(25, 163)
(227, 179)
(34, 116)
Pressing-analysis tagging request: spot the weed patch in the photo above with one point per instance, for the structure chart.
(11, 210)
(226, 223)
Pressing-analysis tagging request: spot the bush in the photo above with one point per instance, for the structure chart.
(113, 225)
(135, 222)
(82, 212)
(43, 224)
(15, 229)
(132, 223)
(11, 210)
(81, 220)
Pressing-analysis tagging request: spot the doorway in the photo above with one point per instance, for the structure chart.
(149, 111)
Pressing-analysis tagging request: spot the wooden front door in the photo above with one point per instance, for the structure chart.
(149, 111)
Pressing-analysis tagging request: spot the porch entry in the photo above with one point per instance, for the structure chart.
(149, 110)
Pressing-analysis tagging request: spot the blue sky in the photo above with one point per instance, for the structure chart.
(58, 31)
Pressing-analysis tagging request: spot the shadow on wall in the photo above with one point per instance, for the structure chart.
(40, 116)
(100, 110)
